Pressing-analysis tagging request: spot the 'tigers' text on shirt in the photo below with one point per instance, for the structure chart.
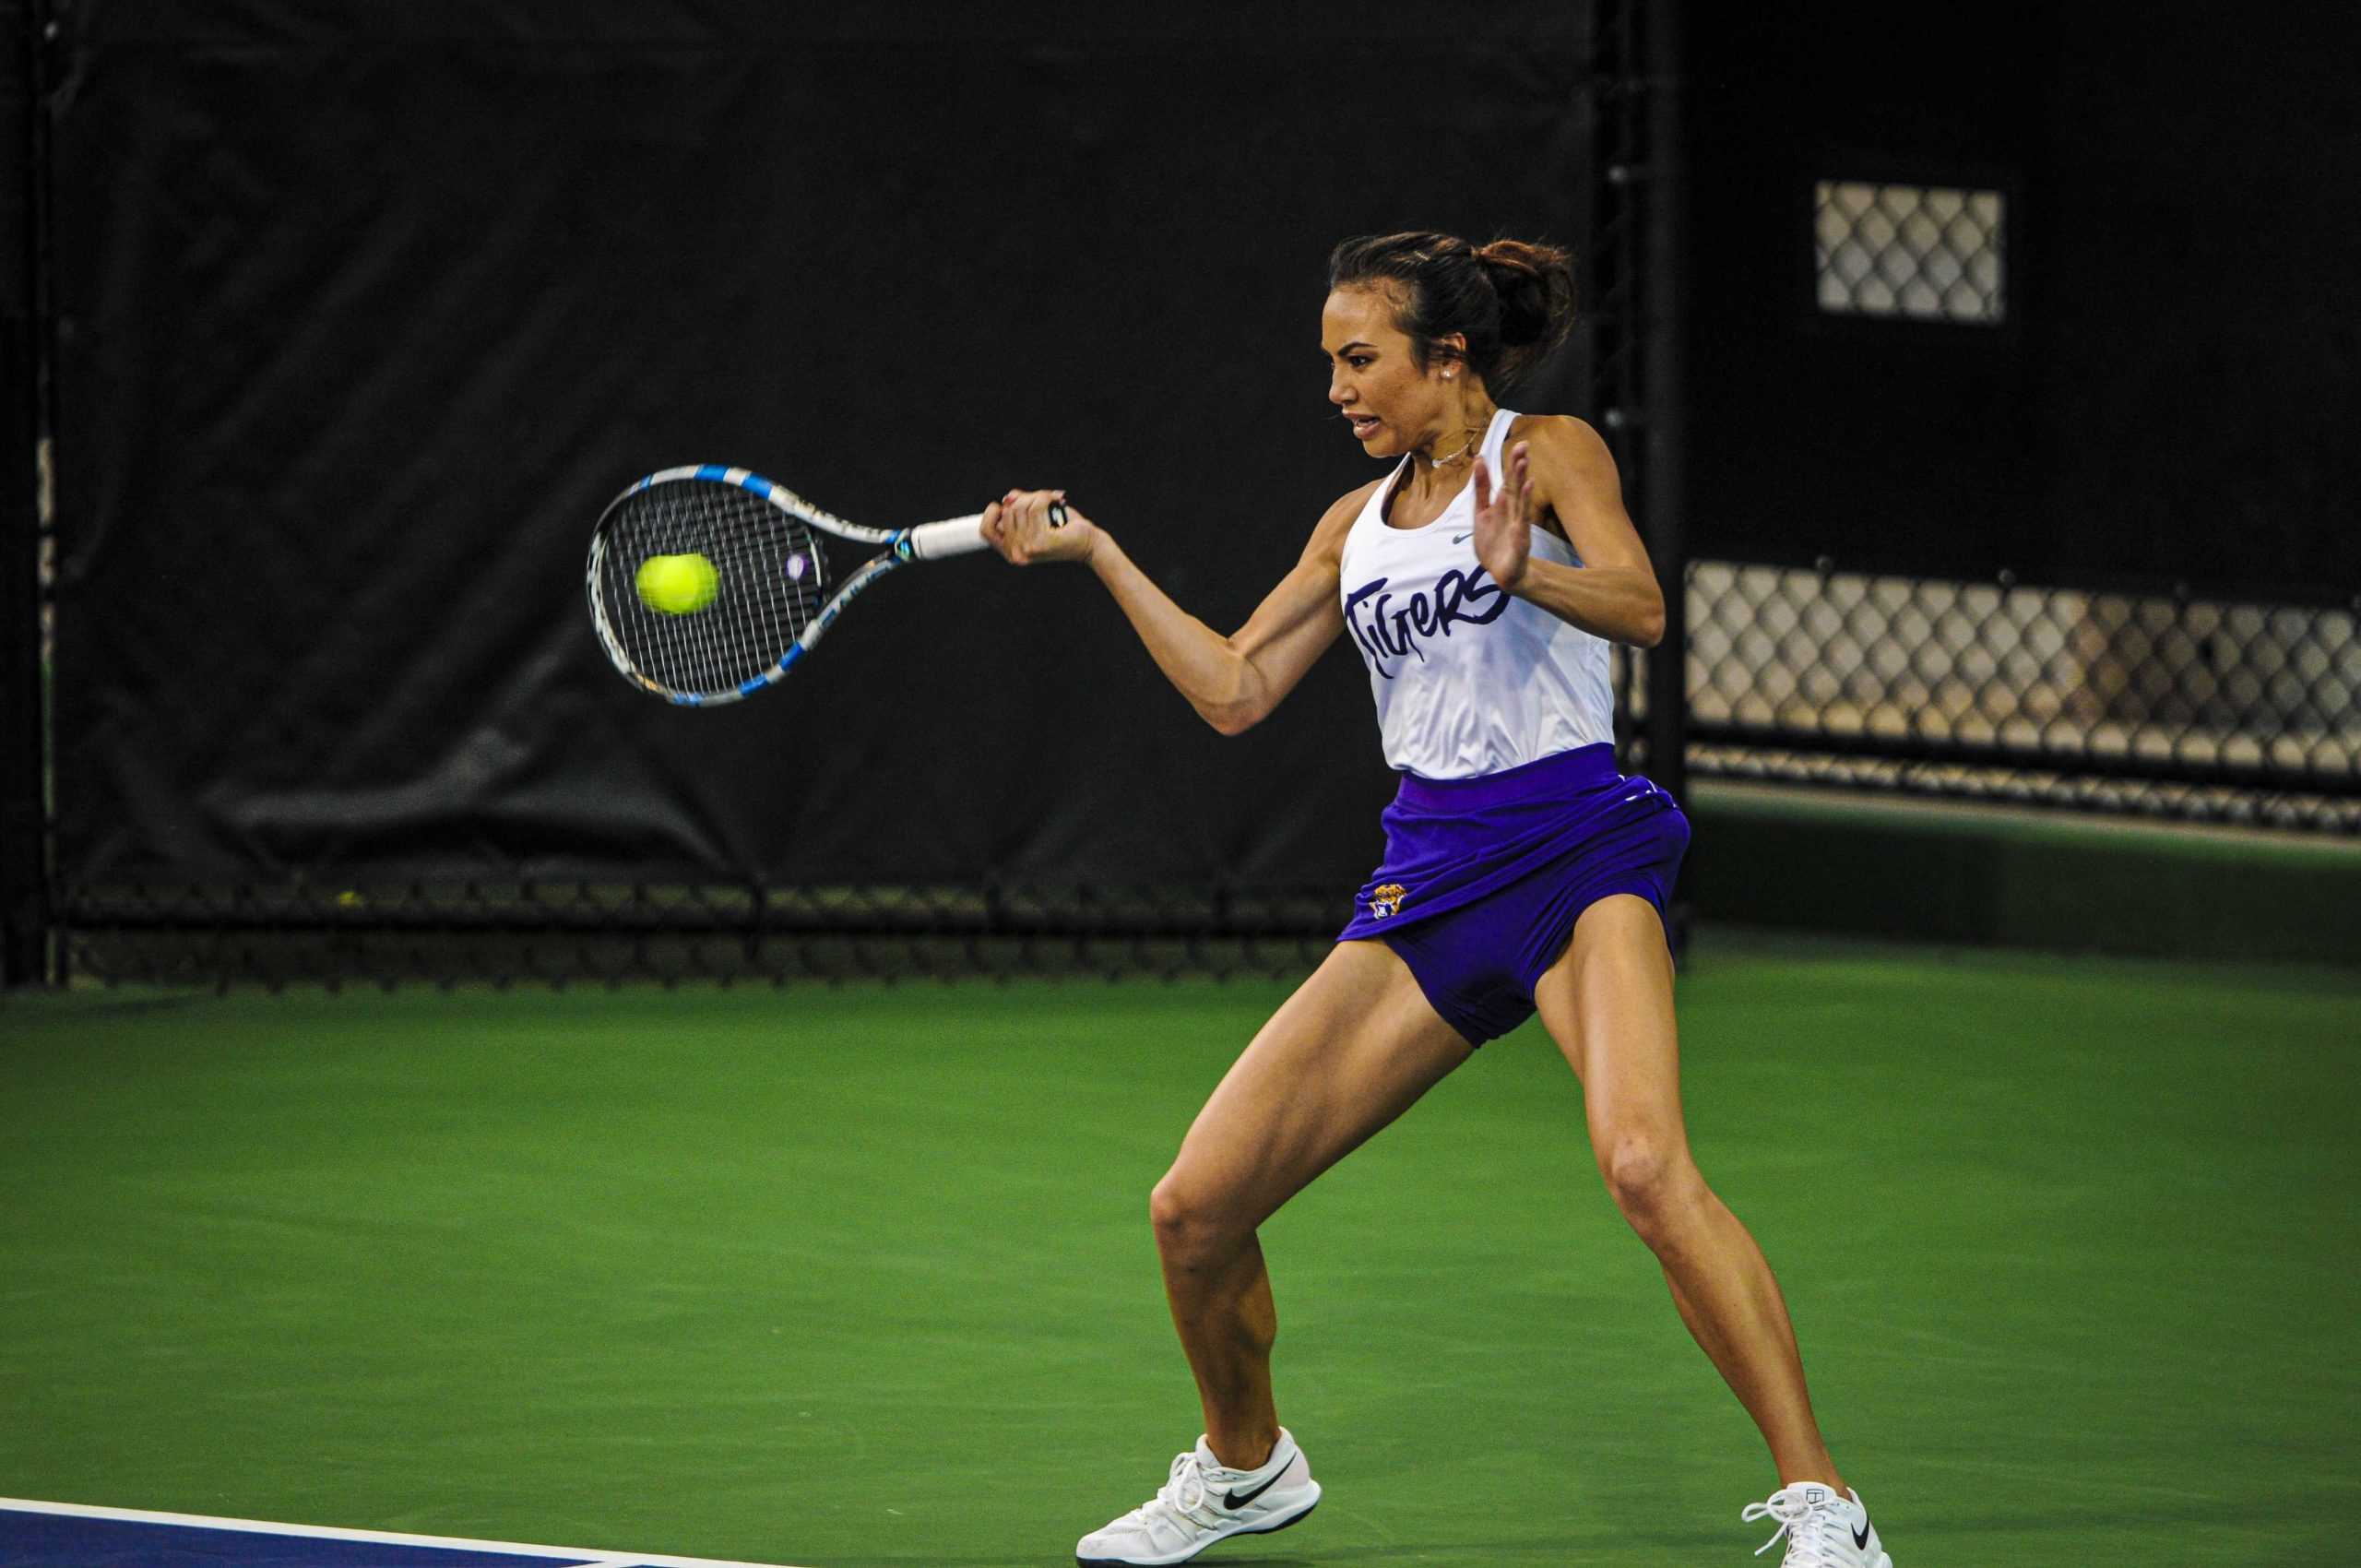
(1386, 633)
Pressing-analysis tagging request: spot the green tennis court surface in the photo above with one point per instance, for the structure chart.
(864, 1275)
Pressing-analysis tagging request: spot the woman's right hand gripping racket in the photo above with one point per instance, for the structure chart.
(707, 584)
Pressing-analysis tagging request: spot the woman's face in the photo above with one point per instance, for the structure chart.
(1392, 406)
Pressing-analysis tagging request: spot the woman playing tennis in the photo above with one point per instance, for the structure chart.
(1482, 579)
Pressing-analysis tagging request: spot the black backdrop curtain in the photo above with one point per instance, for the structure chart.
(365, 312)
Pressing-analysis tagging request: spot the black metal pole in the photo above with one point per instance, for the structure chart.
(1663, 425)
(24, 341)
(1636, 247)
(1610, 286)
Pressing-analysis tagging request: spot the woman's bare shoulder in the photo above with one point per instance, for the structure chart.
(1567, 433)
(1328, 537)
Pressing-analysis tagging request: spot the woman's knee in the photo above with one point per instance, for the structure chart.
(1652, 1178)
(1186, 1219)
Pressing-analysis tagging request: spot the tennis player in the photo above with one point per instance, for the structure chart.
(1482, 579)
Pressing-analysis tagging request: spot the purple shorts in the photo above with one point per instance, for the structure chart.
(1484, 878)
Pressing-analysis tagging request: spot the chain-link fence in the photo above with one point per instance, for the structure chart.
(2187, 705)
(1928, 253)
(577, 933)
(2173, 708)
(2181, 707)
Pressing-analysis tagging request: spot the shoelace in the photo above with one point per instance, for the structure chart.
(1181, 1497)
(1800, 1522)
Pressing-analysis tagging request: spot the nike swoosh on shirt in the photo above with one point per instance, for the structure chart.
(1461, 538)
(1235, 1501)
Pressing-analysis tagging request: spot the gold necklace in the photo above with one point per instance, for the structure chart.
(1461, 456)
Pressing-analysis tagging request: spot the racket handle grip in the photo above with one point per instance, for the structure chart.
(963, 536)
(960, 536)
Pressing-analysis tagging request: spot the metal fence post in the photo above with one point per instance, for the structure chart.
(1663, 424)
(24, 374)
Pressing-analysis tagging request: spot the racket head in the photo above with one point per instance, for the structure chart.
(770, 582)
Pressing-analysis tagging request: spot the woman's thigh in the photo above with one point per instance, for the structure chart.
(1607, 1002)
(1354, 1048)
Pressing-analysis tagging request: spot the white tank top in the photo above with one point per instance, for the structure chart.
(1469, 680)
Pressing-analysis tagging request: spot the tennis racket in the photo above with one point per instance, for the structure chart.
(707, 583)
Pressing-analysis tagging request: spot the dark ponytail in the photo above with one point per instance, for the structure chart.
(1512, 301)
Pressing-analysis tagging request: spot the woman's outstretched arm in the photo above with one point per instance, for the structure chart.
(1233, 681)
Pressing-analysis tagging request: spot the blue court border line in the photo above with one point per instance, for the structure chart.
(63, 1533)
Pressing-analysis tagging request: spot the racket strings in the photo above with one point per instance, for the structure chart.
(768, 574)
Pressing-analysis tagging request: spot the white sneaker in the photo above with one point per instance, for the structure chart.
(1825, 1528)
(1202, 1502)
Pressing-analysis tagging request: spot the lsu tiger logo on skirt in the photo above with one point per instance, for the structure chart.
(1387, 900)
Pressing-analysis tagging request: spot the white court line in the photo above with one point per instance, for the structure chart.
(599, 1557)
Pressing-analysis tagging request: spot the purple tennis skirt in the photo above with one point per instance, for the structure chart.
(1484, 878)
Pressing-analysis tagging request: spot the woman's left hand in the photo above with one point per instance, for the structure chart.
(1504, 518)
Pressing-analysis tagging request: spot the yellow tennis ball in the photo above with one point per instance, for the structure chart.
(677, 585)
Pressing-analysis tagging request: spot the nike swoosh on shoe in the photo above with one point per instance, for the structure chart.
(1236, 1501)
